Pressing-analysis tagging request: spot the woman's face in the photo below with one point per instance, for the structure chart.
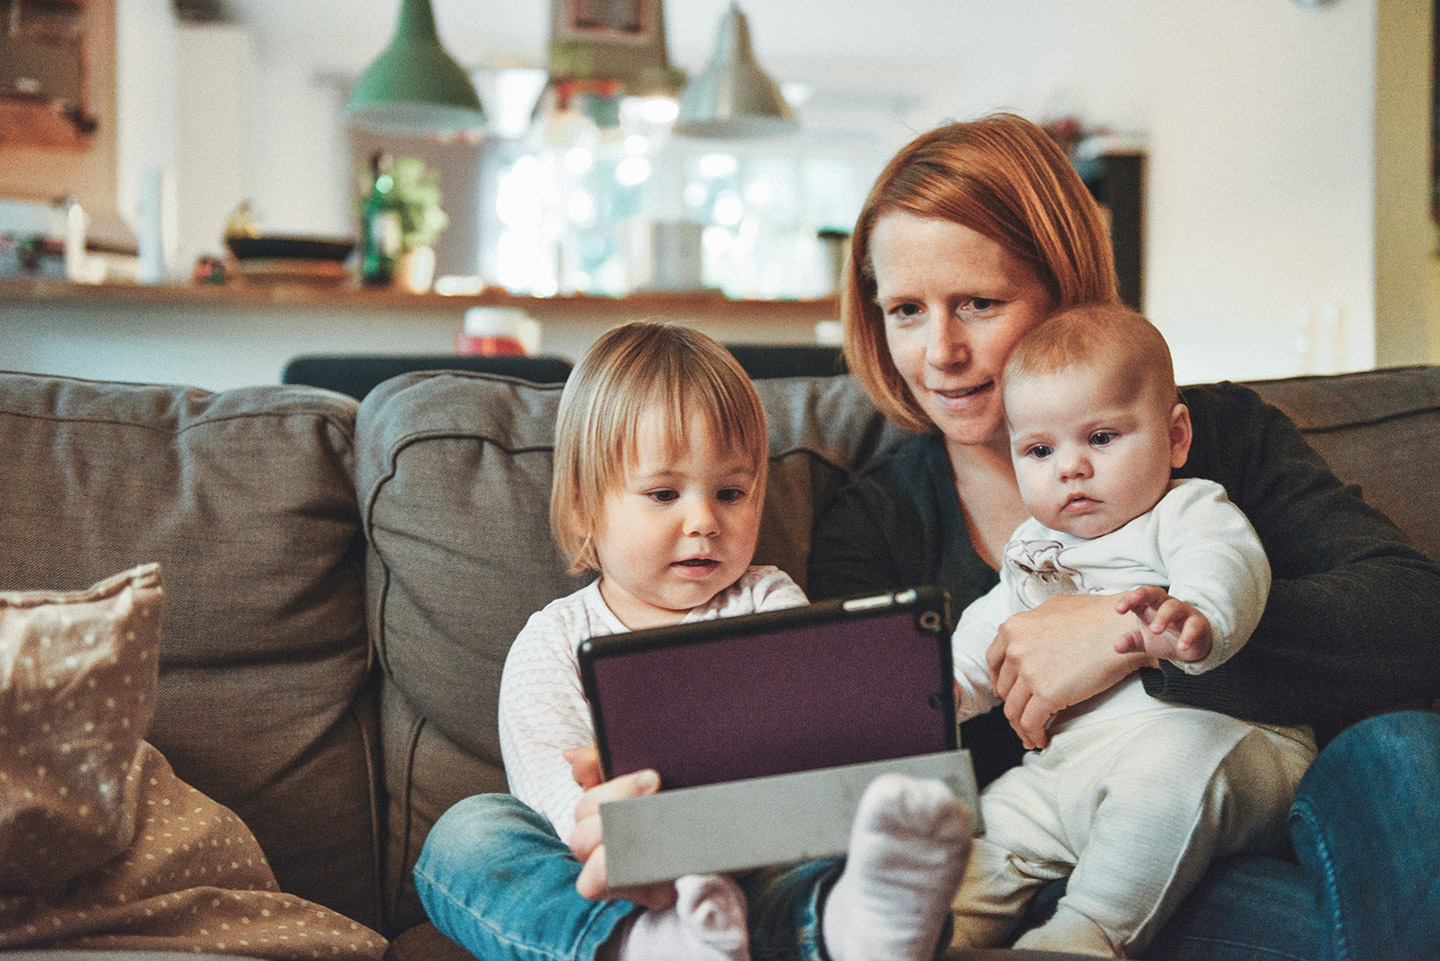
(954, 302)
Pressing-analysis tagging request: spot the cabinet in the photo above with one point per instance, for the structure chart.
(44, 81)
(1117, 181)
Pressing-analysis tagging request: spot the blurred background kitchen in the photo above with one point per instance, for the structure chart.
(1269, 163)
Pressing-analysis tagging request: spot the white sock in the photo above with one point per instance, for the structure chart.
(707, 923)
(908, 848)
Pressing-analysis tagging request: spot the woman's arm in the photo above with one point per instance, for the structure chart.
(1350, 626)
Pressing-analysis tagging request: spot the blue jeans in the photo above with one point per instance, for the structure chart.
(1366, 831)
(496, 879)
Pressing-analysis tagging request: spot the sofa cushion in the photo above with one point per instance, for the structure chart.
(1370, 426)
(454, 479)
(246, 498)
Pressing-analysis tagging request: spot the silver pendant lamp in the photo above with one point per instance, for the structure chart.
(733, 97)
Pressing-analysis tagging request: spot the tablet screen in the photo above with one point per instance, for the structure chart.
(840, 682)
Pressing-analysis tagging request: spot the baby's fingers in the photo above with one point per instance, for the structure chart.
(1133, 642)
(1138, 599)
(1194, 642)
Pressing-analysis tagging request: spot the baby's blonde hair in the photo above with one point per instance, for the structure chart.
(631, 371)
(1106, 336)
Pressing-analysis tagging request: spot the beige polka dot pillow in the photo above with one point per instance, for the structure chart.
(102, 846)
(77, 689)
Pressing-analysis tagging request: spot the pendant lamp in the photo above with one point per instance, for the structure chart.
(732, 97)
(415, 88)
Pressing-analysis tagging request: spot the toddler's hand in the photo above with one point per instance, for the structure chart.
(584, 765)
(586, 842)
(1169, 628)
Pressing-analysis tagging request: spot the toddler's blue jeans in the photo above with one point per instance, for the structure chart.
(495, 878)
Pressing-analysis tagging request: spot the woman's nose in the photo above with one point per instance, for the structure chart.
(946, 345)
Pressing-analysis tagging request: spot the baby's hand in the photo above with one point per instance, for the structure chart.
(1169, 627)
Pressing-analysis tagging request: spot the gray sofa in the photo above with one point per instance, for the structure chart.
(342, 583)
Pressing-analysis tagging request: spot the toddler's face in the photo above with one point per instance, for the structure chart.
(1088, 459)
(681, 529)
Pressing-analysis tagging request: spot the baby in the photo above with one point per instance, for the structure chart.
(661, 453)
(1132, 797)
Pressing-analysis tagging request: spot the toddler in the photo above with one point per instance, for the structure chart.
(661, 454)
(1132, 797)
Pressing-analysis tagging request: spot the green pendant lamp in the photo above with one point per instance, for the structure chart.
(414, 88)
(733, 97)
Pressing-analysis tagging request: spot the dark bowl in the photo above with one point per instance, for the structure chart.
(294, 248)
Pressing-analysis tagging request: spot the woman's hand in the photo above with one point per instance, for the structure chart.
(586, 842)
(1058, 654)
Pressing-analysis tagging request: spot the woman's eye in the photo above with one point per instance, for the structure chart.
(902, 312)
(982, 304)
(1102, 437)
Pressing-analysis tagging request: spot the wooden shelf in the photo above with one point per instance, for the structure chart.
(312, 296)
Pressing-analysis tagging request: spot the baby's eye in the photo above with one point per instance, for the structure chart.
(662, 496)
(1039, 451)
(1102, 437)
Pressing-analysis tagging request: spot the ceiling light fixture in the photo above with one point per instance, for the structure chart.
(733, 97)
(415, 88)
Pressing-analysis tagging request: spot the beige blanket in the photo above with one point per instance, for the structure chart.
(193, 880)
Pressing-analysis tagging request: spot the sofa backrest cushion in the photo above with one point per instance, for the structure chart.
(454, 480)
(247, 501)
(1379, 429)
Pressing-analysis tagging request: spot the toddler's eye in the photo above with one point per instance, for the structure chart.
(663, 496)
(731, 494)
(1102, 437)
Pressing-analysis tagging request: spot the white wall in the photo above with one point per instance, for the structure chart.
(147, 105)
(213, 90)
(1258, 119)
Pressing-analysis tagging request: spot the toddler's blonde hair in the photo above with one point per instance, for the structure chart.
(632, 370)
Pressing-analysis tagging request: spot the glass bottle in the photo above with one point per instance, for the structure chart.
(379, 227)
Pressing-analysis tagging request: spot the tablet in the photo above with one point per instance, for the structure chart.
(828, 684)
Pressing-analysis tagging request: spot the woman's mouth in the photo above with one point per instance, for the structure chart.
(961, 393)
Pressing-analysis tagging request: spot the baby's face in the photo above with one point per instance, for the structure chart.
(1090, 457)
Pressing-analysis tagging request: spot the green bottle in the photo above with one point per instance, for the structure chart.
(379, 227)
